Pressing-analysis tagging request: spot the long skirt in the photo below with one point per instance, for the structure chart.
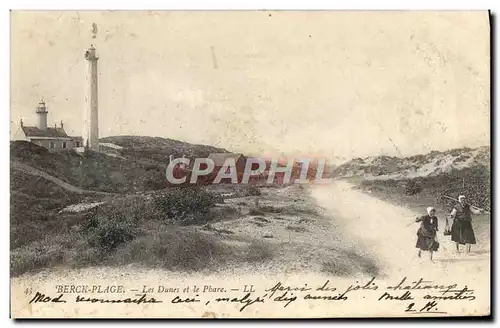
(462, 232)
(426, 242)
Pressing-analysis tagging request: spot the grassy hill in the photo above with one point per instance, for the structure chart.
(34, 204)
(43, 183)
(140, 165)
(157, 150)
(431, 164)
(92, 171)
(35, 201)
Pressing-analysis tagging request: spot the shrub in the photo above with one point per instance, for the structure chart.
(107, 229)
(153, 179)
(413, 188)
(254, 191)
(181, 202)
(254, 211)
(296, 228)
(34, 257)
(175, 249)
(348, 262)
(271, 209)
(259, 251)
(189, 250)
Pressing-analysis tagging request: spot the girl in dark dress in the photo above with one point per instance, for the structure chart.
(426, 234)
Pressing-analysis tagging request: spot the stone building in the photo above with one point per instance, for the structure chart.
(53, 138)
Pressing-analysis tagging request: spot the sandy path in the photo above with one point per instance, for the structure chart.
(384, 230)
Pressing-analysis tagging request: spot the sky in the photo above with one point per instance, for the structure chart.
(335, 85)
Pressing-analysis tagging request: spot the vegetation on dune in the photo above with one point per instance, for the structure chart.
(432, 163)
(34, 206)
(473, 182)
(187, 205)
(107, 228)
(149, 231)
(412, 187)
(43, 236)
(158, 149)
(285, 210)
(91, 171)
(454, 172)
(188, 250)
(343, 262)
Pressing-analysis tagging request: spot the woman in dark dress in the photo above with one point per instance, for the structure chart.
(426, 234)
(462, 232)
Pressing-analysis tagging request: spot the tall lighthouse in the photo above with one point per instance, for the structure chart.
(91, 123)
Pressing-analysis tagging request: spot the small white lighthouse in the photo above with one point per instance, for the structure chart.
(41, 112)
(91, 121)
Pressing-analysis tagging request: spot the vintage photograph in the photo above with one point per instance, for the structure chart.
(250, 164)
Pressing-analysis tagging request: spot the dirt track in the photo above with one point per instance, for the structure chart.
(385, 230)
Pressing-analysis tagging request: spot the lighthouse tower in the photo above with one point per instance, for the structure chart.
(41, 112)
(91, 121)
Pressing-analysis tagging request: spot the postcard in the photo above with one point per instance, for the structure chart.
(250, 164)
